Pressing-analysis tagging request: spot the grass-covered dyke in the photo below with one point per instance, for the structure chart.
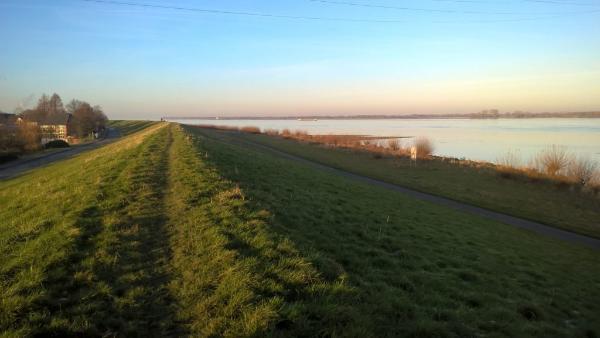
(175, 231)
(545, 201)
(127, 127)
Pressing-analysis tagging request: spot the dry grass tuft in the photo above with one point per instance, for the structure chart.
(424, 147)
(554, 160)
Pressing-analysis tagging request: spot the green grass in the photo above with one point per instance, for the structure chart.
(545, 202)
(126, 127)
(170, 233)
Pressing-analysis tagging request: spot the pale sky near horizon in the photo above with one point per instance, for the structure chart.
(437, 56)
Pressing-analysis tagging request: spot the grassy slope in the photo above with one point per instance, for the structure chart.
(418, 269)
(166, 234)
(75, 253)
(539, 201)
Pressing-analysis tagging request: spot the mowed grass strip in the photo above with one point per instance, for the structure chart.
(545, 202)
(418, 269)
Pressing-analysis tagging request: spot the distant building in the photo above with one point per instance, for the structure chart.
(7, 119)
(55, 127)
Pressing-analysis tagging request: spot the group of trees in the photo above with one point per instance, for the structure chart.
(24, 135)
(85, 118)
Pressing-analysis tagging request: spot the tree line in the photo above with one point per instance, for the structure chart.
(24, 135)
(85, 118)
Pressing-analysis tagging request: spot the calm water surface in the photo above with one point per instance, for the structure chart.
(463, 138)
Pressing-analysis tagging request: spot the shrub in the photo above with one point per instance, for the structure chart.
(250, 129)
(511, 159)
(300, 135)
(272, 132)
(424, 147)
(583, 170)
(8, 155)
(394, 144)
(286, 133)
(554, 160)
(56, 144)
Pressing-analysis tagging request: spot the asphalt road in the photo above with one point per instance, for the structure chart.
(20, 166)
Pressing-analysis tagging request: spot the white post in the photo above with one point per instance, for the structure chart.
(413, 154)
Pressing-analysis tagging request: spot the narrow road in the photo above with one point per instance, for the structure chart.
(471, 209)
(18, 167)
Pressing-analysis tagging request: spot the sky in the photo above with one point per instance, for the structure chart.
(302, 57)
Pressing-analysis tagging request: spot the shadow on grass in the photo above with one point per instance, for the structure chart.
(418, 270)
(116, 282)
(252, 281)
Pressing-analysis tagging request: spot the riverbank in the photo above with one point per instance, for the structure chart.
(553, 203)
(184, 231)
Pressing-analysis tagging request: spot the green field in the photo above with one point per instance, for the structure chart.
(543, 201)
(176, 231)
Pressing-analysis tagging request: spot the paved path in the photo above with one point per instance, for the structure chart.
(18, 167)
(485, 213)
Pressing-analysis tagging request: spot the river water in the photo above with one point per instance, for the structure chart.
(474, 139)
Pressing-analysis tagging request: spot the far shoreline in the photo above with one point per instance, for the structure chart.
(500, 116)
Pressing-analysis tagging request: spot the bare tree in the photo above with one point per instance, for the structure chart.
(43, 105)
(55, 105)
(87, 119)
(73, 106)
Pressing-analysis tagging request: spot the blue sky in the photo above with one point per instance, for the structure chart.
(436, 57)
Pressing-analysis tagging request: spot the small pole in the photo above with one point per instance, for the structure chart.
(413, 154)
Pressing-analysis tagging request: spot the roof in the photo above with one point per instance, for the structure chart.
(56, 119)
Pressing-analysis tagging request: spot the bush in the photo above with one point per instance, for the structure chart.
(250, 129)
(554, 160)
(583, 170)
(56, 144)
(286, 133)
(424, 147)
(7, 156)
(394, 144)
(272, 132)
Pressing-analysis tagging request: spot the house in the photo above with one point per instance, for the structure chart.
(7, 119)
(54, 127)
